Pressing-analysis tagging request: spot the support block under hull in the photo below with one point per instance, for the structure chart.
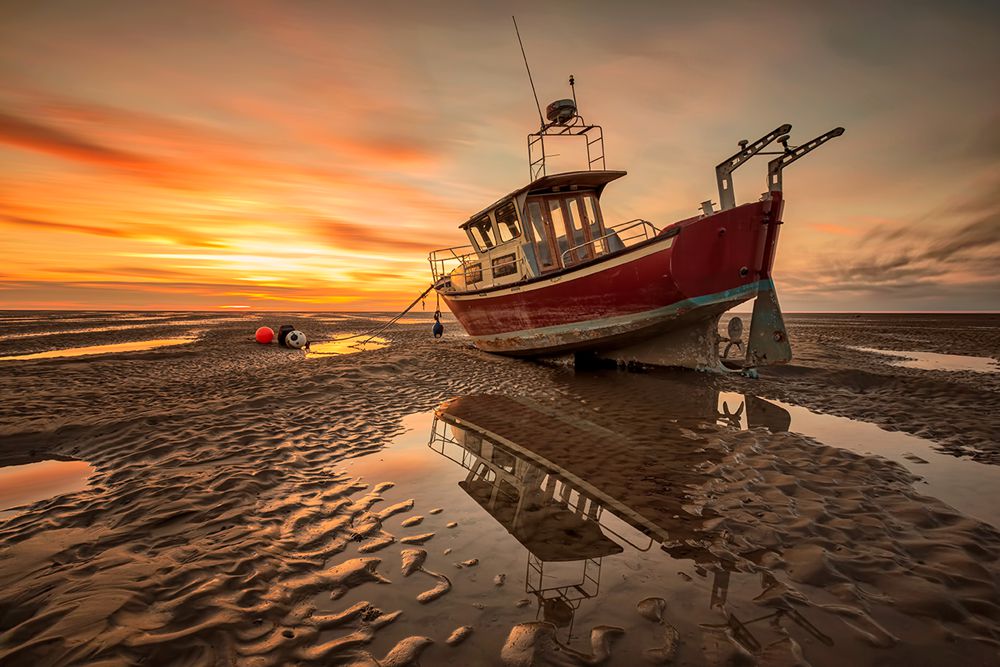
(693, 346)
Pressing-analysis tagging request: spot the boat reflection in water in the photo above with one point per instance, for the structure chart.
(573, 491)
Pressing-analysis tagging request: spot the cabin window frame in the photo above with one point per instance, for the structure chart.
(484, 226)
(504, 265)
(589, 249)
(596, 224)
(549, 240)
(574, 224)
(512, 224)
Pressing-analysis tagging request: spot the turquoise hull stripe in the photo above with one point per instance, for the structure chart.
(742, 293)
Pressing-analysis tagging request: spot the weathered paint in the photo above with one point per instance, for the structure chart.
(768, 342)
(708, 265)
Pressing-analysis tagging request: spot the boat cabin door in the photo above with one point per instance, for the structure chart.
(566, 229)
(543, 238)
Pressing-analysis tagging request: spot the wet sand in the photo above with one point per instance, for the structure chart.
(426, 502)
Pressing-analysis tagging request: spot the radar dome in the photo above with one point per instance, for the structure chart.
(560, 111)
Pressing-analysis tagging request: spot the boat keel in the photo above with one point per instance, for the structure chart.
(768, 342)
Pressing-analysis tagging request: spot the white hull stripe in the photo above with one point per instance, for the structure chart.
(625, 258)
(743, 292)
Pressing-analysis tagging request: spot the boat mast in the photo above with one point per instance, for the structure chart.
(541, 120)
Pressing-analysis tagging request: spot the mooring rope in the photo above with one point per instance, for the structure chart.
(371, 333)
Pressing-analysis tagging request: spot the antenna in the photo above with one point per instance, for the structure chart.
(572, 86)
(538, 106)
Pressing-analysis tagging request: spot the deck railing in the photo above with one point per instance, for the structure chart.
(444, 261)
(474, 269)
(627, 233)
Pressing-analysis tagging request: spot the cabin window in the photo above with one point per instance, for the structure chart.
(555, 211)
(575, 230)
(593, 212)
(473, 273)
(506, 222)
(504, 265)
(543, 239)
(505, 461)
(481, 232)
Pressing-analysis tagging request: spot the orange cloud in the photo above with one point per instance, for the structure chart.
(38, 137)
(354, 236)
(831, 228)
(61, 226)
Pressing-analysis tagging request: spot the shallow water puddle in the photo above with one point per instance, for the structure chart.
(501, 511)
(965, 484)
(347, 346)
(520, 542)
(28, 483)
(131, 346)
(144, 325)
(934, 361)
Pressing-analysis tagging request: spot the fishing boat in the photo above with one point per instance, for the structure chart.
(545, 273)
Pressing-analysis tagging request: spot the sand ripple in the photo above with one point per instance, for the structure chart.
(220, 522)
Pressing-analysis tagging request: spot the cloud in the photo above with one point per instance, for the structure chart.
(342, 142)
(955, 258)
(36, 223)
(832, 228)
(176, 234)
(354, 236)
(47, 139)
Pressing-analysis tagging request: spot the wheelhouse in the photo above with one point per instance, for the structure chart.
(553, 224)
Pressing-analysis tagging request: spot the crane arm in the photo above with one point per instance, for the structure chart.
(775, 166)
(724, 170)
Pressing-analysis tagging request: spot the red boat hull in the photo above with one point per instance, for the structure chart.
(694, 270)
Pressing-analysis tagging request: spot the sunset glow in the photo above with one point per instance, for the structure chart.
(307, 156)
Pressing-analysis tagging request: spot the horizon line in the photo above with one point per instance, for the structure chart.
(250, 309)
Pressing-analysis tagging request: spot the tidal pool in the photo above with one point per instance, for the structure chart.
(131, 346)
(30, 482)
(587, 514)
(346, 346)
(935, 361)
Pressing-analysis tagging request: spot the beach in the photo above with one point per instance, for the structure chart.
(207, 500)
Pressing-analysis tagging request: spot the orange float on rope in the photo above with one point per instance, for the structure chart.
(264, 335)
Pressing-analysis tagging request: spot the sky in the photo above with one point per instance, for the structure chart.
(299, 156)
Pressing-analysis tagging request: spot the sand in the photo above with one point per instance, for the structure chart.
(955, 409)
(251, 506)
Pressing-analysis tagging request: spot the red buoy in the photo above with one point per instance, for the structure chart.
(264, 335)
